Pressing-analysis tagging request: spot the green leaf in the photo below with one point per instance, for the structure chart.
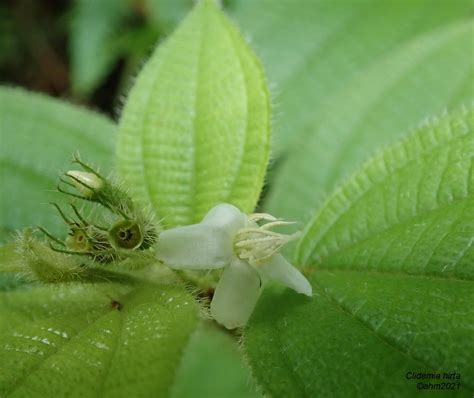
(333, 44)
(391, 259)
(212, 367)
(108, 341)
(379, 110)
(93, 27)
(409, 209)
(39, 136)
(361, 334)
(352, 77)
(195, 130)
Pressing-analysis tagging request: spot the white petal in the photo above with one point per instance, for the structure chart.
(197, 246)
(282, 271)
(226, 216)
(236, 295)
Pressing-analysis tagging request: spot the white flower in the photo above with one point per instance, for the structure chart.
(228, 238)
(85, 182)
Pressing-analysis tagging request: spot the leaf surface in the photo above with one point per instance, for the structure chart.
(89, 340)
(409, 209)
(195, 130)
(361, 334)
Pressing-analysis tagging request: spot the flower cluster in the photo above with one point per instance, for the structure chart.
(246, 247)
(131, 227)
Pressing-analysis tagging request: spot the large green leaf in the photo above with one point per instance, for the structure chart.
(38, 136)
(352, 77)
(391, 260)
(409, 209)
(391, 95)
(313, 49)
(211, 365)
(78, 340)
(195, 130)
(361, 334)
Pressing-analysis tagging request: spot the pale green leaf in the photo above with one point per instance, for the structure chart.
(195, 129)
(351, 77)
(38, 137)
(313, 49)
(94, 26)
(107, 341)
(390, 258)
(391, 96)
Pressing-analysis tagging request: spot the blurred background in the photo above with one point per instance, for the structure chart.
(347, 77)
(85, 51)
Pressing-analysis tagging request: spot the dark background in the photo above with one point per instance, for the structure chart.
(38, 44)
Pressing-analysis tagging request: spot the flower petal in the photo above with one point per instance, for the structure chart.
(226, 216)
(282, 271)
(236, 295)
(197, 246)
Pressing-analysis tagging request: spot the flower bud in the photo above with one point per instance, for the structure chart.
(78, 241)
(86, 183)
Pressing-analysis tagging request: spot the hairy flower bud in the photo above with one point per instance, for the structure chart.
(86, 183)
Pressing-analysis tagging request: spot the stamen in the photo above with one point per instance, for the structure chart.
(261, 216)
(258, 244)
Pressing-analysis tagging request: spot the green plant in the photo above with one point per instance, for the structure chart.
(388, 253)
